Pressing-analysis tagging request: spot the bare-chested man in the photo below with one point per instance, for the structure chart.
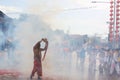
(37, 58)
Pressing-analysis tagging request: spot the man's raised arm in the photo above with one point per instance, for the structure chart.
(45, 49)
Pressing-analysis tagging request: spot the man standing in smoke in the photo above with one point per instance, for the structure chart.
(37, 57)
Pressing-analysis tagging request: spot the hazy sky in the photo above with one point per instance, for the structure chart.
(77, 16)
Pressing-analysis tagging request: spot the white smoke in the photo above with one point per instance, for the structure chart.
(30, 30)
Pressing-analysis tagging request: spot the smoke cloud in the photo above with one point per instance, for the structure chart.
(30, 29)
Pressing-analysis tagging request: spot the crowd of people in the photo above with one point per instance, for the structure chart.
(108, 60)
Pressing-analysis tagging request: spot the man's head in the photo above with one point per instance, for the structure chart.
(44, 39)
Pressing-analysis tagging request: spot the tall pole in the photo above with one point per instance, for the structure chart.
(117, 23)
(114, 24)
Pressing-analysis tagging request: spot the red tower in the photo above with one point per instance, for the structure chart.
(111, 26)
(114, 21)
